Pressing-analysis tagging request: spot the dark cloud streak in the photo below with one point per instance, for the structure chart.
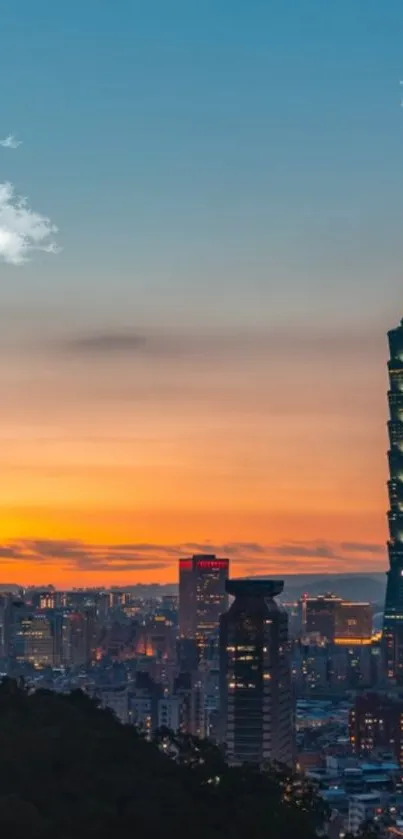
(363, 547)
(285, 341)
(78, 556)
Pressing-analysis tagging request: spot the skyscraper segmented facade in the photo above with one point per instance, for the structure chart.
(393, 615)
(202, 596)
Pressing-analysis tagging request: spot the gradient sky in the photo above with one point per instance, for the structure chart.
(202, 366)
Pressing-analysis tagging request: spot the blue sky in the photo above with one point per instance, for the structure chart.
(204, 359)
(225, 161)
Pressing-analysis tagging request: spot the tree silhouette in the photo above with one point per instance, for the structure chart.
(70, 769)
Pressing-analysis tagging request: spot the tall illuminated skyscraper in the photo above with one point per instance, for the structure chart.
(202, 596)
(255, 676)
(393, 616)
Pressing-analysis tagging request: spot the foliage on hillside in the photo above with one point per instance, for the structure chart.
(71, 770)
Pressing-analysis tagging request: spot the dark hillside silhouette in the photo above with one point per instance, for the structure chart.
(70, 770)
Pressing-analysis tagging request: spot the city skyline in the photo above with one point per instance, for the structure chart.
(201, 423)
(202, 366)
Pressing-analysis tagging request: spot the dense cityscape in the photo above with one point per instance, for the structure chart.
(315, 685)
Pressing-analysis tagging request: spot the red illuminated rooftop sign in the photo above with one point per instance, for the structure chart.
(211, 564)
(186, 564)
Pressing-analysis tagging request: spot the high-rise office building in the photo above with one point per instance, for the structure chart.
(255, 675)
(376, 724)
(5, 624)
(202, 596)
(34, 639)
(353, 623)
(335, 620)
(393, 616)
(78, 637)
(48, 600)
(319, 615)
(188, 655)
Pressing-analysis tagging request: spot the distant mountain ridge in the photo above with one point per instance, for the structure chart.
(368, 587)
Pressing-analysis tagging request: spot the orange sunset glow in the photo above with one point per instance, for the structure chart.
(200, 256)
(114, 467)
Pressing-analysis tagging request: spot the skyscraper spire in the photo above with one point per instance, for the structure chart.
(393, 616)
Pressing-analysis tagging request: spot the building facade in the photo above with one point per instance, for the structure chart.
(38, 640)
(363, 808)
(353, 623)
(78, 637)
(117, 699)
(376, 725)
(393, 615)
(319, 615)
(255, 675)
(169, 715)
(202, 596)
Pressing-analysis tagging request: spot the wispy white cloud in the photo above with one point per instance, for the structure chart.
(10, 142)
(22, 230)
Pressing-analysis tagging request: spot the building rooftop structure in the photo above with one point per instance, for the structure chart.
(366, 797)
(382, 766)
(254, 588)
